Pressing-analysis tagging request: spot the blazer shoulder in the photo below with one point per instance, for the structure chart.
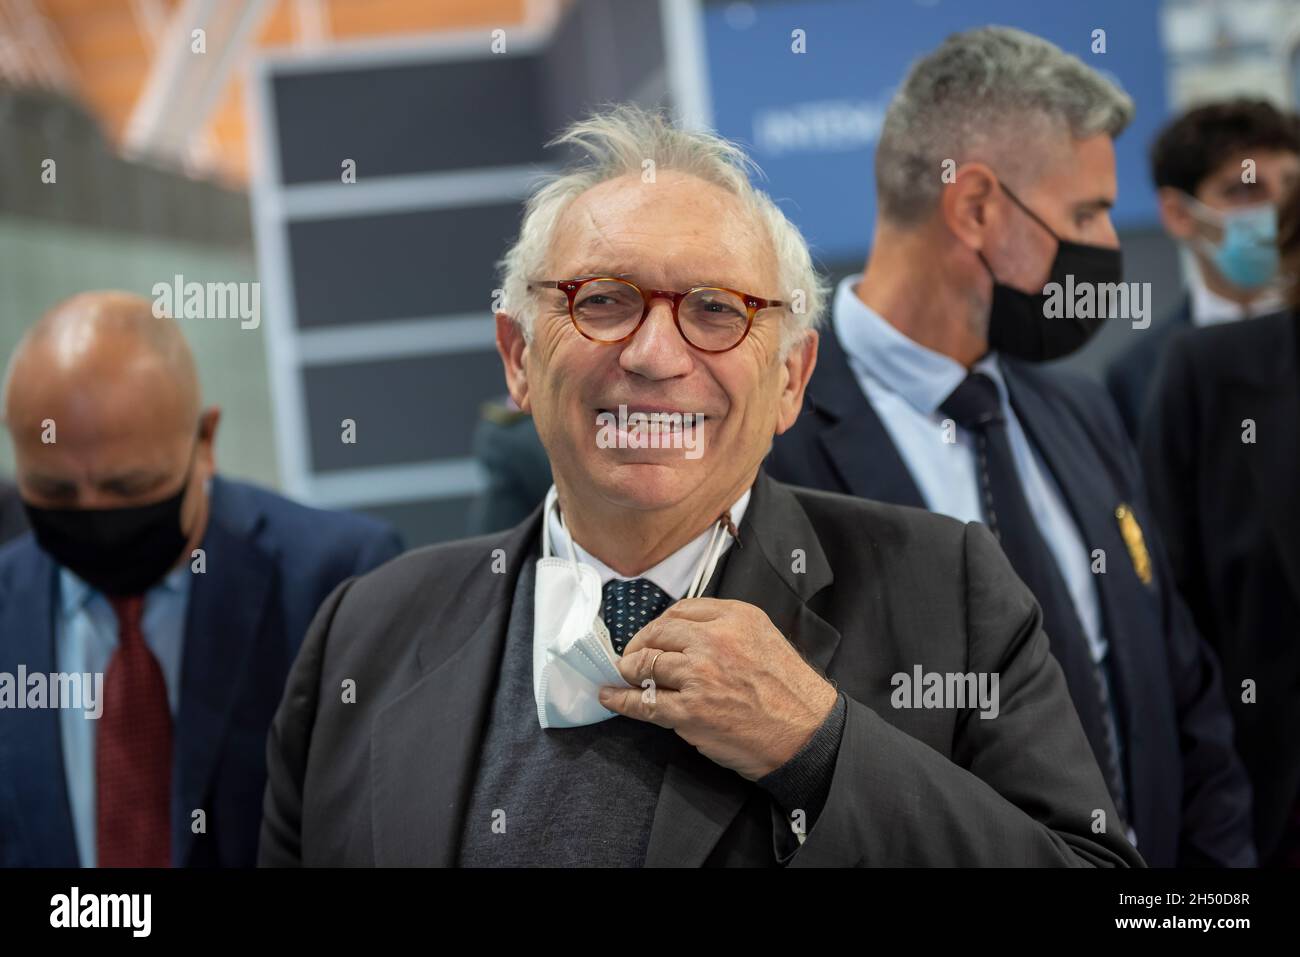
(15, 555)
(431, 573)
(849, 518)
(244, 504)
(1247, 350)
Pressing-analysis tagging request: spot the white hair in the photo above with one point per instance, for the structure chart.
(618, 141)
(996, 95)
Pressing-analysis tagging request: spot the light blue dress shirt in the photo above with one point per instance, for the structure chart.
(906, 383)
(86, 635)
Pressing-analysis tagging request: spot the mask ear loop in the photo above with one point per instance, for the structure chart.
(712, 554)
(546, 523)
(553, 502)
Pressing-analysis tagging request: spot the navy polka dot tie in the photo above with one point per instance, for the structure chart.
(629, 605)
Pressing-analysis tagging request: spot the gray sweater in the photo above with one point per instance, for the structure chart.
(573, 797)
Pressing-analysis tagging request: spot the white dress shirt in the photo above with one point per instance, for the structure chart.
(906, 383)
(1208, 308)
(674, 574)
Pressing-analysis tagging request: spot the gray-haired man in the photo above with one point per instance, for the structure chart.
(677, 660)
(994, 250)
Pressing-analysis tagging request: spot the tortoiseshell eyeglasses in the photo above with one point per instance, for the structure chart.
(609, 310)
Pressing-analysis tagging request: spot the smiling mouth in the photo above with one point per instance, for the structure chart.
(663, 418)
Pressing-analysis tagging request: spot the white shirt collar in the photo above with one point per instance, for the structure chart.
(673, 574)
(923, 377)
(1209, 308)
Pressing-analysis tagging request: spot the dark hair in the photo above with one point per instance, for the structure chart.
(1288, 241)
(1194, 145)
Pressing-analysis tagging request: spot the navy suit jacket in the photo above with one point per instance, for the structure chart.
(1130, 376)
(12, 520)
(270, 564)
(1189, 796)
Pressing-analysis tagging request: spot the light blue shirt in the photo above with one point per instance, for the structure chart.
(86, 635)
(906, 383)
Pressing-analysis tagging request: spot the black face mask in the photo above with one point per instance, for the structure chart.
(1018, 322)
(118, 551)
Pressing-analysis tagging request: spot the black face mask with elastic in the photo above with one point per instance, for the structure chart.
(118, 551)
(1018, 322)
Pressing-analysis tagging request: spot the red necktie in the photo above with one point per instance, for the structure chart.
(133, 752)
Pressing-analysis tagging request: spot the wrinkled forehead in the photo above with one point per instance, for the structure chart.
(675, 229)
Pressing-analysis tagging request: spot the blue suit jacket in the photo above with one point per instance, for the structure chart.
(1189, 796)
(270, 564)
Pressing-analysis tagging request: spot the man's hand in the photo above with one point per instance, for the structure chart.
(726, 681)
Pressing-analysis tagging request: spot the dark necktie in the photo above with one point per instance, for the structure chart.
(628, 605)
(133, 751)
(976, 406)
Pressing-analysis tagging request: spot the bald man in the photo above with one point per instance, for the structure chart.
(177, 598)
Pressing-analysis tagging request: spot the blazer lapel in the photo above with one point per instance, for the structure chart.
(425, 745)
(852, 435)
(31, 743)
(223, 622)
(699, 799)
(1092, 505)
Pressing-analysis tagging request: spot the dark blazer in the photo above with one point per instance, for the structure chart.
(270, 562)
(386, 780)
(1130, 375)
(13, 521)
(1189, 797)
(1230, 513)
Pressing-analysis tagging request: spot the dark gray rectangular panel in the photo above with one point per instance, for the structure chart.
(409, 118)
(427, 522)
(601, 53)
(399, 265)
(412, 409)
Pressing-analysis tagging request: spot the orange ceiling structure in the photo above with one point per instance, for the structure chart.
(102, 51)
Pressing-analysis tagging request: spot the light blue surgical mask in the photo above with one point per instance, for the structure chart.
(1247, 255)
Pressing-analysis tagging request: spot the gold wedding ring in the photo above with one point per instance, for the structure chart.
(652, 666)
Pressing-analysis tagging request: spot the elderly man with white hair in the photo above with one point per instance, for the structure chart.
(677, 660)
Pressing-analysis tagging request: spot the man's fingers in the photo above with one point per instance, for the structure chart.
(698, 609)
(666, 634)
(654, 704)
(670, 667)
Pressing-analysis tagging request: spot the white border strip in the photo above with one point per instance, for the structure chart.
(441, 47)
(397, 339)
(684, 53)
(398, 484)
(410, 193)
(288, 409)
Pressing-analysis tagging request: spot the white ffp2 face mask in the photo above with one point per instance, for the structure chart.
(572, 654)
(573, 657)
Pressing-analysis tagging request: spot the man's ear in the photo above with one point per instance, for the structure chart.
(1174, 214)
(969, 206)
(209, 419)
(799, 365)
(513, 348)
